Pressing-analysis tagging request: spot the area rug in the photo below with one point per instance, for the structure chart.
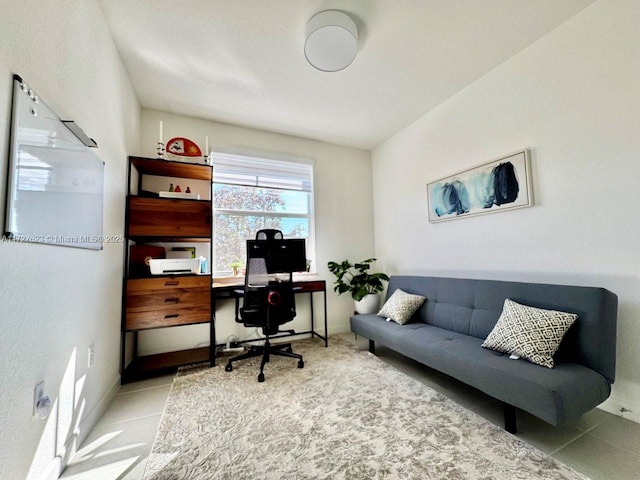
(345, 415)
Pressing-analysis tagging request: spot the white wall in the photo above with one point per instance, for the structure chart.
(56, 301)
(573, 98)
(343, 214)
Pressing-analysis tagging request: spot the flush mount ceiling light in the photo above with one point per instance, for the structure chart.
(332, 41)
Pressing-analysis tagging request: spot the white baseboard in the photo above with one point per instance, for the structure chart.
(90, 420)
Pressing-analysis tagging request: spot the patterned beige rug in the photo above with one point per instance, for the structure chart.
(346, 415)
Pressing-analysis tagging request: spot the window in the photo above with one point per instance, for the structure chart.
(254, 193)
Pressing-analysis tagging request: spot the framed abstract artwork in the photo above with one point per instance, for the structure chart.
(501, 184)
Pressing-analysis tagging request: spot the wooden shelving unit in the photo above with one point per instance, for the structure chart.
(168, 168)
(164, 301)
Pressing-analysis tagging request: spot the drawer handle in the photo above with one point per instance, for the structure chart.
(172, 282)
(171, 300)
(173, 315)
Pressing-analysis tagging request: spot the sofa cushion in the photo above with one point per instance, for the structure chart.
(401, 306)
(377, 328)
(531, 333)
(565, 392)
(554, 395)
(472, 307)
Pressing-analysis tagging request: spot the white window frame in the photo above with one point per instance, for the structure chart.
(268, 173)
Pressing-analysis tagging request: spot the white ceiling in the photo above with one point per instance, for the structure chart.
(242, 61)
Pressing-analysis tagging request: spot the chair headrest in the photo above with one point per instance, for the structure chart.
(269, 234)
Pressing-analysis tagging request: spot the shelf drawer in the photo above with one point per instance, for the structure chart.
(167, 317)
(167, 301)
(164, 217)
(182, 298)
(160, 285)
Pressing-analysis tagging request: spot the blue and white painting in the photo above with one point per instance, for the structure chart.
(501, 184)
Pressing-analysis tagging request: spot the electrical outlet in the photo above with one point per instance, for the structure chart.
(91, 357)
(38, 393)
(41, 402)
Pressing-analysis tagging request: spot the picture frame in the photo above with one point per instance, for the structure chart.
(501, 184)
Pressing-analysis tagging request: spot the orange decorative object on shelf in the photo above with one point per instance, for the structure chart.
(183, 147)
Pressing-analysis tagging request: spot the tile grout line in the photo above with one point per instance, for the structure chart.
(566, 444)
(145, 389)
(588, 432)
(128, 420)
(617, 447)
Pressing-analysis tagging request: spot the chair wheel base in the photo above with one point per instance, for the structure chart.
(266, 352)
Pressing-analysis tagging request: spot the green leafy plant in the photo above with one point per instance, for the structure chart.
(356, 279)
(236, 266)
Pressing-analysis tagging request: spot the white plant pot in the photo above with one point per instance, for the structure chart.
(369, 304)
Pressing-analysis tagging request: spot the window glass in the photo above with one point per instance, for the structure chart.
(241, 210)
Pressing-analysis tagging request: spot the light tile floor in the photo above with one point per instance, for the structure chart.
(600, 445)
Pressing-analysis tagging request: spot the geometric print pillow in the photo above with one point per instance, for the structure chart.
(531, 333)
(401, 306)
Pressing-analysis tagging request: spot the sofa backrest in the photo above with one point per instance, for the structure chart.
(472, 307)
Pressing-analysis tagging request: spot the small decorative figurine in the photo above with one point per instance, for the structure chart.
(171, 187)
(177, 189)
(188, 190)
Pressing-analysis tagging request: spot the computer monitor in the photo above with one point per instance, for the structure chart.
(281, 256)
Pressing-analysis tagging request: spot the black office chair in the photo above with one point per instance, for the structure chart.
(268, 303)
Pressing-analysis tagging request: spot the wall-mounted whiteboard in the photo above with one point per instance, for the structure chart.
(55, 182)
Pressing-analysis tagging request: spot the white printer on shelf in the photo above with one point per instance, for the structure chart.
(165, 266)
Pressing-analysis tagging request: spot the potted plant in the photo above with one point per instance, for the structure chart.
(235, 267)
(364, 287)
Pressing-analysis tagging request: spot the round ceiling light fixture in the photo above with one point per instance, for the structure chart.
(332, 41)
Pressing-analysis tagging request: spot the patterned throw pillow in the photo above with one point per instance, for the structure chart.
(531, 333)
(401, 306)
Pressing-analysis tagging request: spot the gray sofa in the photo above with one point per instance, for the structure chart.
(447, 332)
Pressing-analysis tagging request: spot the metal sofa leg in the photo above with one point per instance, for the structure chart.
(510, 418)
(372, 346)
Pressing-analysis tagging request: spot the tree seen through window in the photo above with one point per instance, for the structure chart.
(240, 211)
